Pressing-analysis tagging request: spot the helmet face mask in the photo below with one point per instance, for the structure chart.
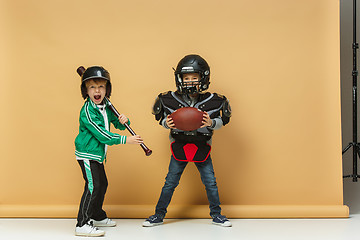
(188, 84)
(192, 64)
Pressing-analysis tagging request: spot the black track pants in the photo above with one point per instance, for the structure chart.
(94, 192)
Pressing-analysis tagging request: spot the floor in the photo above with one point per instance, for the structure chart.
(188, 229)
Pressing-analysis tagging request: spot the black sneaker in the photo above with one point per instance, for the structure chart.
(221, 220)
(153, 220)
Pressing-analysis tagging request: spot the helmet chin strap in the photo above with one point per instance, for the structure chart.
(191, 90)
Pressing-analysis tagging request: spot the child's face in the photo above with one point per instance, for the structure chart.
(96, 90)
(191, 80)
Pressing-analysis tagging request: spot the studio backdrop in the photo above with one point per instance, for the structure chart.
(276, 61)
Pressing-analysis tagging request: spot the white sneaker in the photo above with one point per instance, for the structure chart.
(107, 222)
(88, 231)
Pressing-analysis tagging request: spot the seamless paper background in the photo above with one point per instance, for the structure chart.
(277, 61)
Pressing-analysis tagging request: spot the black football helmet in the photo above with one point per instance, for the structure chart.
(95, 72)
(192, 64)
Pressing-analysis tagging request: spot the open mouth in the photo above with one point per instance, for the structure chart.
(97, 97)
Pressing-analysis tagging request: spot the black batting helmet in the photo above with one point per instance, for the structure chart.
(95, 72)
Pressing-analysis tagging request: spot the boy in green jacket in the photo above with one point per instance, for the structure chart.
(91, 147)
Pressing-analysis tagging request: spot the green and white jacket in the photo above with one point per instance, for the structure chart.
(93, 138)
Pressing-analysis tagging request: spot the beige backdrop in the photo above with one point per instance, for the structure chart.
(277, 61)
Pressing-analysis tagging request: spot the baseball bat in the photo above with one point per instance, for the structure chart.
(147, 151)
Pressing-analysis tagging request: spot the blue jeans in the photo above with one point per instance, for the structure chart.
(176, 168)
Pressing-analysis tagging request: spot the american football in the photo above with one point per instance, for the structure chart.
(187, 118)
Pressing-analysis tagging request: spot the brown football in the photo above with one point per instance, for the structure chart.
(187, 118)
